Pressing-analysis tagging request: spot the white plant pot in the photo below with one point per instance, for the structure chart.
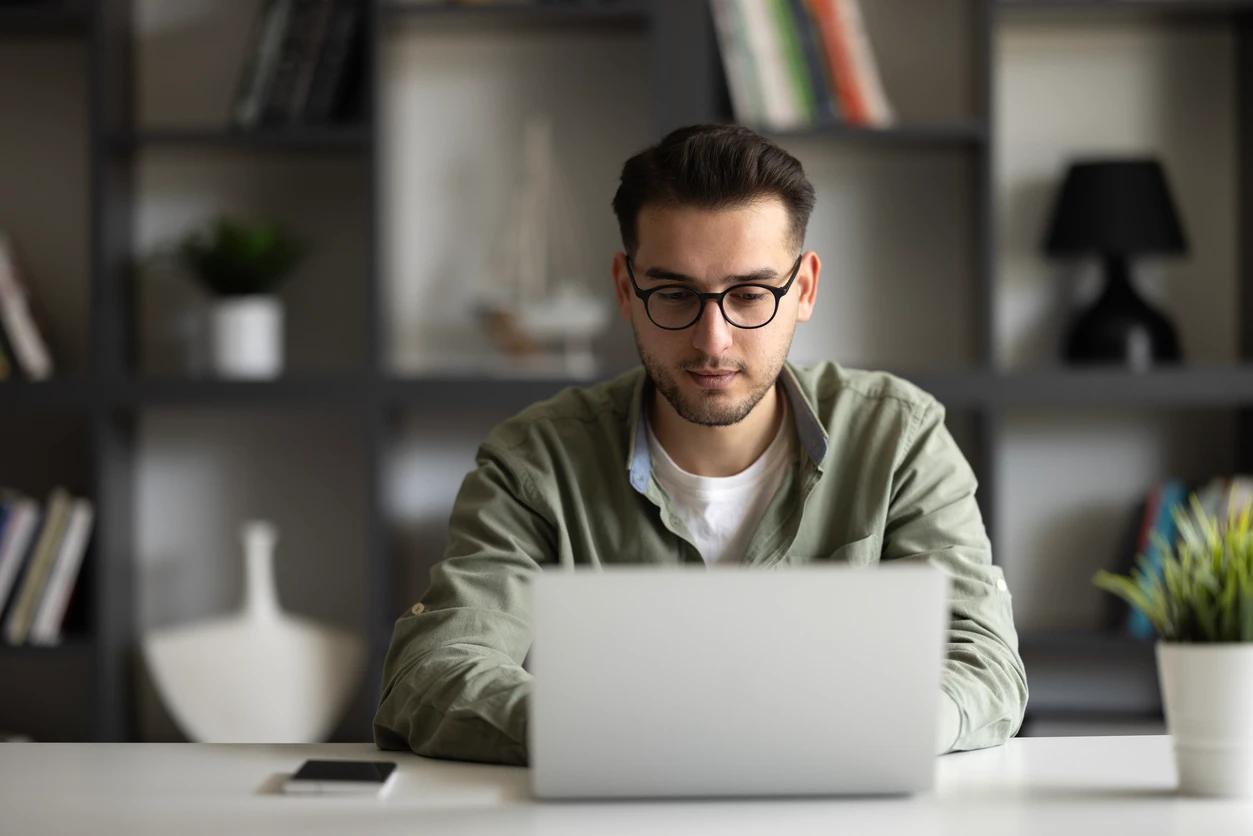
(247, 337)
(1207, 690)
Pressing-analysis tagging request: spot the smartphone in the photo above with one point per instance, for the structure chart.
(342, 777)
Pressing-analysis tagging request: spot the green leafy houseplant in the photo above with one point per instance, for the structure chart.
(1204, 591)
(237, 258)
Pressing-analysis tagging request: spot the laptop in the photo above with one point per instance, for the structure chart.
(687, 682)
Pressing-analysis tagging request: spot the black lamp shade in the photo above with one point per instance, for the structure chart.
(1115, 207)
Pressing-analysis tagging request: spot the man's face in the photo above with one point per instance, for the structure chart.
(714, 373)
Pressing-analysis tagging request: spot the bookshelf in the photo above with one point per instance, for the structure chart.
(107, 397)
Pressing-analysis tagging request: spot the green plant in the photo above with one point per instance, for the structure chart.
(236, 258)
(1204, 591)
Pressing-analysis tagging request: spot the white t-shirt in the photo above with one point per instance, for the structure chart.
(722, 512)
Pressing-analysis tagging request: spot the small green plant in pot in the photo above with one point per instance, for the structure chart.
(1200, 604)
(242, 265)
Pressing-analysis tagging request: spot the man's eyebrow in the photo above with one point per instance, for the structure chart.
(661, 274)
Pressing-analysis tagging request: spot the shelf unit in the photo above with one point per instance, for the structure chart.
(687, 87)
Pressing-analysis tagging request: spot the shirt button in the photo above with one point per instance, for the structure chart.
(417, 608)
(1000, 584)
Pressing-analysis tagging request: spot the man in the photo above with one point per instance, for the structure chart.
(717, 450)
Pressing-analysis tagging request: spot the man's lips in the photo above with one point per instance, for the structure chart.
(715, 379)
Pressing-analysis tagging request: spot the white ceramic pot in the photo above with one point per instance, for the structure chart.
(1207, 690)
(247, 336)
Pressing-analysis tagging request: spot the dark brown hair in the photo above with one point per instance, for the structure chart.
(713, 167)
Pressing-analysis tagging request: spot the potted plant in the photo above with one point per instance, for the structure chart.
(242, 265)
(1200, 604)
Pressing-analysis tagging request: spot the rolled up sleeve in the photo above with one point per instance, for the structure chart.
(933, 516)
(453, 682)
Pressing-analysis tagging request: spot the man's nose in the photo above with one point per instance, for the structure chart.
(712, 333)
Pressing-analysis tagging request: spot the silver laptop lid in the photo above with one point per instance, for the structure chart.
(688, 682)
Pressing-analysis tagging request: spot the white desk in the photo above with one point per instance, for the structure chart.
(1068, 786)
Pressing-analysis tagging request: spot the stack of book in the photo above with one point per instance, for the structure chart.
(1157, 529)
(23, 345)
(304, 65)
(41, 553)
(799, 63)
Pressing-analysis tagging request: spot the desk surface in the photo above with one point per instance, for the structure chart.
(1070, 786)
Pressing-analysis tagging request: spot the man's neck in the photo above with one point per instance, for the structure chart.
(716, 451)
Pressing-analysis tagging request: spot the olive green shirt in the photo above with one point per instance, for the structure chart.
(568, 482)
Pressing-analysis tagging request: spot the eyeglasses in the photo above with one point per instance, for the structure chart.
(675, 306)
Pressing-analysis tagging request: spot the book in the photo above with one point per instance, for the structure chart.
(50, 615)
(331, 86)
(21, 328)
(39, 566)
(1137, 621)
(781, 110)
(21, 524)
(840, 66)
(258, 75)
(315, 44)
(297, 57)
(737, 63)
(789, 33)
(826, 105)
(865, 68)
(6, 516)
(1171, 495)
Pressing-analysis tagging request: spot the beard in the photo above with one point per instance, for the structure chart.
(712, 407)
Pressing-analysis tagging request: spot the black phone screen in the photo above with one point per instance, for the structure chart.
(371, 772)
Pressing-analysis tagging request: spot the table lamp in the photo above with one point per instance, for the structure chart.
(1117, 209)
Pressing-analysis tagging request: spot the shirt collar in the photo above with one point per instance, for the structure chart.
(810, 431)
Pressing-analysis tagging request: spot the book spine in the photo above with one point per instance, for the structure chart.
(734, 63)
(18, 321)
(826, 105)
(294, 51)
(1174, 493)
(781, 111)
(17, 629)
(327, 90)
(839, 61)
(1138, 623)
(319, 28)
(793, 59)
(262, 64)
(18, 534)
(865, 68)
(8, 521)
(50, 615)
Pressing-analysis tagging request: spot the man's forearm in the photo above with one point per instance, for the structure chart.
(984, 676)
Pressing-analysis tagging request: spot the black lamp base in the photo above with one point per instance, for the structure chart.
(1121, 328)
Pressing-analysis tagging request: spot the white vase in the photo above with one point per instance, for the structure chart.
(259, 675)
(247, 336)
(1207, 690)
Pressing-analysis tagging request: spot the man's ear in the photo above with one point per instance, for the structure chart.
(622, 285)
(806, 285)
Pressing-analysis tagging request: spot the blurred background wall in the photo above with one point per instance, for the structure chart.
(414, 203)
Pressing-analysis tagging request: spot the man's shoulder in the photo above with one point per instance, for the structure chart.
(576, 412)
(827, 384)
